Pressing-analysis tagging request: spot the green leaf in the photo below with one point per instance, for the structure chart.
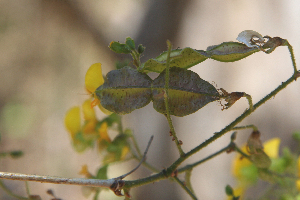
(230, 51)
(183, 58)
(119, 48)
(102, 173)
(130, 43)
(229, 190)
(187, 92)
(125, 90)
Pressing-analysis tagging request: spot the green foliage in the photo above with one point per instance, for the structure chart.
(177, 91)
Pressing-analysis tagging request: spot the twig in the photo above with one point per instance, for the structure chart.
(115, 184)
(245, 127)
(57, 180)
(187, 179)
(292, 56)
(192, 195)
(146, 164)
(143, 159)
(191, 166)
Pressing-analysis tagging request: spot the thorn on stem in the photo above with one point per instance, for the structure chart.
(180, 142)
(175, 173)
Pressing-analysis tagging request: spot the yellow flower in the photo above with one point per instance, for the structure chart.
(72, 121)
(125, 151)
(103, 132)
(88, 111)
(83, 134)
(94, 79)
(298, 181)
(239, 163)
(271, 147)
(103, 137)
(245, 171)
(84, 171)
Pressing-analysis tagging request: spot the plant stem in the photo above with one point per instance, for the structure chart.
(168, 172)
(191, 166)
(147, 165)
(57, 180)
(167, 78)
(242, 153)
(136, 146)
(187, 179)
(192, 195)
(292, 56)
(245, 127)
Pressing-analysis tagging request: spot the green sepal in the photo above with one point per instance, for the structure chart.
(119, 48)
(187, 92)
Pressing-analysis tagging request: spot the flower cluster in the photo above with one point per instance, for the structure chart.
(93, 131)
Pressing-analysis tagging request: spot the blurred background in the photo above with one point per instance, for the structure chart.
(46, 46)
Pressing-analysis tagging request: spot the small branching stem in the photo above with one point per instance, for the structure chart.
(188, 191)
(166, 99)
(191, 166)
(245, 127)
(168, 172)
(292, 56)
(249, 98)
(187, 179)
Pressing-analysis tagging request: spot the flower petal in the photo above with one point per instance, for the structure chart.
(72, 120)
(88, 111)
(103, 132)
(271, 147)
(94, 77)
(239, 162)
